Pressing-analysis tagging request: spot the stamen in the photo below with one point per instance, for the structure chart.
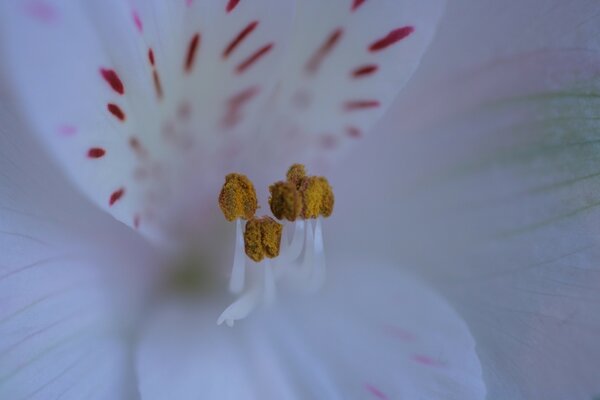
(262, 238)
(296, 173)
(238, 272)
(238, 197)
(285, 200)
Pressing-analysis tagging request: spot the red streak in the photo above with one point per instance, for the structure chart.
(191, 54)
(231, 5)
(254, 58)
(353, 132)
(365, 70)
(356, 4)
(315, 61)
(96, 152)
(393, 37)
(376, 392)
(116, 196)
(239, 38)
(151, 56)
(116, 111)
(360, 104)
(157, 85)
(111, 77)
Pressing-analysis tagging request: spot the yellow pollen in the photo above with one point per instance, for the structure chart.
(238, 197)
(295, 174)
(285, 200)
(317, 197)
(262, 238)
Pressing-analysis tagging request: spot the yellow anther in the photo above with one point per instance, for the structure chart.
(295, 174)
(262, 238)
(317, 197)
(238, 197)
(285, 200)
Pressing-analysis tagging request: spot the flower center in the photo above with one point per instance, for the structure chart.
(263, 246)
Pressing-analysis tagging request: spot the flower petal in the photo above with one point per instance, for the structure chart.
(59, 336)
(374, 334)
(347, 62)
(144, 103)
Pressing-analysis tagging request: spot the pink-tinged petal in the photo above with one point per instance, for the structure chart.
(60, 336)
(166, 73)
(332, 346)
(347, 62)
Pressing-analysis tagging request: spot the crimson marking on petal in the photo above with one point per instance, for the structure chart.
(96, 152)
(254, 58)
(137, 21)
(356, 4)
(137, 147)
(136, 221)
(315, 61)
(364, 70)
(399, 333)
(67, 130)
(184, 111)
(375, 391)
(426, 360)
(189, 2)
(355, 105)
(157, 85)
(116, 196)
(393, 37)
(239, 38)
(151, 56)
(116, 111)
(41, 10)
(191, 53)
(111, 77)
(231, 5)
(235, 104)
(353, 132)
(328, 141)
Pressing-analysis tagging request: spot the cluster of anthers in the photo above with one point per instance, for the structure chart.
(298, 262)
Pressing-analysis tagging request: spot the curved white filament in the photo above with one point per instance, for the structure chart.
(238, 271)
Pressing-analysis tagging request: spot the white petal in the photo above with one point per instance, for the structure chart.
(59, 337)
(375, 334)
(144, 103)
(347, 62)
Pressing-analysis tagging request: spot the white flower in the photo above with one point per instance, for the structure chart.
(146, 105)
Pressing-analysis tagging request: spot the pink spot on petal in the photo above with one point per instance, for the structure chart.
(96, 152)
(399, 333)
(189, 3)
(254, 58)
(239, 38)
(235, 105)
(136, 221)
(356, 4)
(365, 70)
(151, 56)
(375, 391)
(330, 42)
(137, 21)
(328, 141)
(426, 360)
(41, 10)
(111, 77)
(184, 111)
(191, 53)
(116, 111)
(231, 5)
(355, 105)
(157, 85)
(393, 37)
(116, 196)
(353, 132)
(67, 130)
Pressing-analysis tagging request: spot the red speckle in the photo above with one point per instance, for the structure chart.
(364, 70)
(191, 53)
(315, 61)
(41, 10)
(96, 152)
(328, 141)
(400, 333)
(137, 147)
(353, 132)
(67, 130)
(189, 2)
(184, 111)
(426, 360)
(116, 111)
(239, 38)
(254, 58)
(136, 221)
(235, 104)
(157, 85)
(151, 56)
(393, 37)
(116, 196)
(375, 391)
(360, 104)
(137, 21)
(356, 4)
(111, 77)
(231, 5)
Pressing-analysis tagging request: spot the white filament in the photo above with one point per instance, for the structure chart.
(317, 278)
(268, 282)
(238, 271)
